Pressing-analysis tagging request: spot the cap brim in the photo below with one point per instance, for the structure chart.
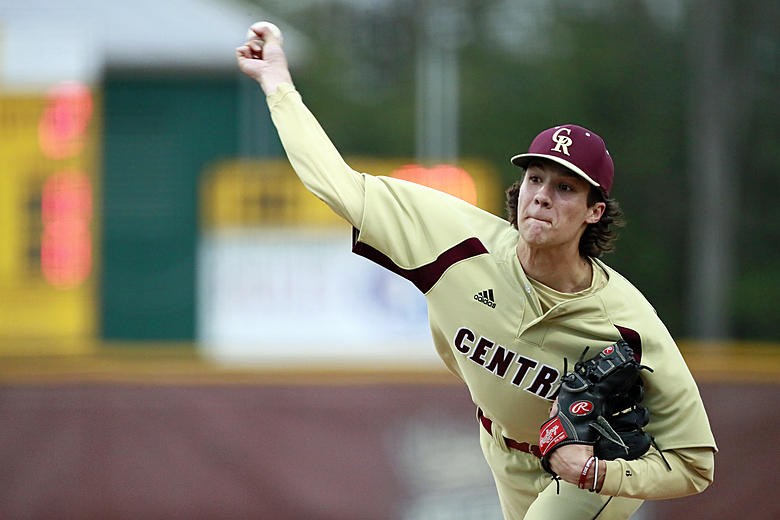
(523, 159)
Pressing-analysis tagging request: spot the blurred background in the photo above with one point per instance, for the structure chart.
(184, 332)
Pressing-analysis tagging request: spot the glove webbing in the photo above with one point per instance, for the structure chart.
(604, 428)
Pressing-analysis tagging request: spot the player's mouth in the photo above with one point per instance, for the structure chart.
(538, 219)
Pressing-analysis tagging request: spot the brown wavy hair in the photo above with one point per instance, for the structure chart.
(598, 238)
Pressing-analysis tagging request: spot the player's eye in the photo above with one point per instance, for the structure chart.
(565, 187)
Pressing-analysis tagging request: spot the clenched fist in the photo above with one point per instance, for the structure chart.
(261, 57)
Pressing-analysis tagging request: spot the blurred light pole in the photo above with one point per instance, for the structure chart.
(437, 79)
(719, 100)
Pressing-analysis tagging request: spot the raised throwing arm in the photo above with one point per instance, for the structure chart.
(312, 155)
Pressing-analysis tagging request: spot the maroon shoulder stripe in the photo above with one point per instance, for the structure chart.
(633, 339)
(426, 276)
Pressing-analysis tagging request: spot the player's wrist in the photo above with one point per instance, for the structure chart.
(596, 481)
(582, 482)
(592, 475)
(270, 82)
(600, 476)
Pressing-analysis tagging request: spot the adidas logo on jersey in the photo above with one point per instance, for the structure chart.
(486, 297)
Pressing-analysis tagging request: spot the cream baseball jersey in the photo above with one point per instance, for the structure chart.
(488, 324)
(487, 321)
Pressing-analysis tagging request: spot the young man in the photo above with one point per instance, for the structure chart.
(543, 295)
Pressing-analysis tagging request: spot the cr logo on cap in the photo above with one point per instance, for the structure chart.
(562, 142)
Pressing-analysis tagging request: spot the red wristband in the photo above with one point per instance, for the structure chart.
(584, 473)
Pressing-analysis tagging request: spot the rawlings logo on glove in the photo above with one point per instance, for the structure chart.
(598, 405)
(581, 408)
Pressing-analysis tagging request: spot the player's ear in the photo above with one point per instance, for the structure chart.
(595, 212)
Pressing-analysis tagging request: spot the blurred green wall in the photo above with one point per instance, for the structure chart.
(160, 133)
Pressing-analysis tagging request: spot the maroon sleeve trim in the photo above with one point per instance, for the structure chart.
(633, 339)
(426, 276)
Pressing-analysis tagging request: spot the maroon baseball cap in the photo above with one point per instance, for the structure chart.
(578, 149)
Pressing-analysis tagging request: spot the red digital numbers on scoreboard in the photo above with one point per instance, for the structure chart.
(66, 241)
(67, 195)
(62, 129)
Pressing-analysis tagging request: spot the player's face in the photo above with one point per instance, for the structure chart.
(552, 208)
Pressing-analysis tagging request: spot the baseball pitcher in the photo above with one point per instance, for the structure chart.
(584, 405)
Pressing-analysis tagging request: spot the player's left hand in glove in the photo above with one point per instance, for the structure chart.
(598, 406)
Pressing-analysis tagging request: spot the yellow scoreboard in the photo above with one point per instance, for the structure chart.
(48, 224)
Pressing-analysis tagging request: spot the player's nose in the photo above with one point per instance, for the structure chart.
(542, 197)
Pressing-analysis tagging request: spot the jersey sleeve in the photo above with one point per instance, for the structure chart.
(414, 231)
(678, 418)
(648, 477)
(314, 158)
(418, 232)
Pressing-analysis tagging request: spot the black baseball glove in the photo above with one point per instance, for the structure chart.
(598, 404)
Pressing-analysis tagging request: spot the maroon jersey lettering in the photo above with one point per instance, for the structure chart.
(481, 349)
(500, 362)
(525, 365)
(543, 381)
(461, 337)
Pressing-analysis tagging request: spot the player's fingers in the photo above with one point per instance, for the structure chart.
(554, 409)
(243, 51)
(255, 46)
(266, 32)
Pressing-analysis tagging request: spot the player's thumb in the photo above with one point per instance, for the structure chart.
(266, 32)
(554, 409)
